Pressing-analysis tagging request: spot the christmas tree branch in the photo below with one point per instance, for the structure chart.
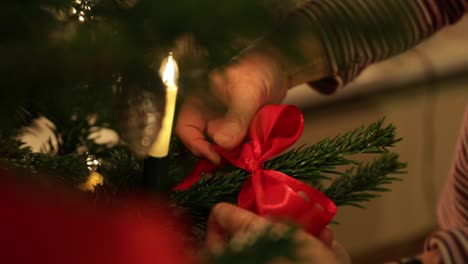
(69, 169)
(118, 165)
(312, 162)
(203, 195)
(363, 183)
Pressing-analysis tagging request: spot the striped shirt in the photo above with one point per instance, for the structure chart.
(357, 33)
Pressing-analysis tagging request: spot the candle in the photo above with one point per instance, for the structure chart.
(169, 73)
(156, 165)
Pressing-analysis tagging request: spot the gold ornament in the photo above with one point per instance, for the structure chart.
(94, 178)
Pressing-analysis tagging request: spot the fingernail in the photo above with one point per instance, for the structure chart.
(225, 137)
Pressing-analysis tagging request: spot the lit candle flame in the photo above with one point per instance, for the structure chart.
(169, 71)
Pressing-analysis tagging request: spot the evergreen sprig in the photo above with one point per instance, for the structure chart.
(361, 184)
(118, 164)
(69, 169)
(120, 169)
(313, 162)
(203, 195)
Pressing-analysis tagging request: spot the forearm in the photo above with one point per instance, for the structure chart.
(338, 38)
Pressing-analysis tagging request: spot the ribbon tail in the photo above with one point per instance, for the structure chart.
(202, 166)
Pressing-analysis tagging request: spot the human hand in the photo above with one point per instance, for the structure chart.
(228, 220)
(237, 92)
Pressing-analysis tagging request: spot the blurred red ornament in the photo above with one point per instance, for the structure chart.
(38, 226)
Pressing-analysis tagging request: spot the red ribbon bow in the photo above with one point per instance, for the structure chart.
(269, 192)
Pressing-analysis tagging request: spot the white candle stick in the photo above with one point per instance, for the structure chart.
(169, 73)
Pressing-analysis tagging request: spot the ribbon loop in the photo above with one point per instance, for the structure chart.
(273, 129)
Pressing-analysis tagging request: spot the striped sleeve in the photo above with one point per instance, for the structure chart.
(452, 210)
(357, 33)
(452, 240)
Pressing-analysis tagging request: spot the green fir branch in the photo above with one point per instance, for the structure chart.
(69, 169)
(364, 183)
(311, 163)
(118, 165)
(208, 191)
(120, 169)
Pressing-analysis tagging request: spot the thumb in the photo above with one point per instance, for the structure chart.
(229, 131)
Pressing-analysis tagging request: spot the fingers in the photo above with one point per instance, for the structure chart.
(227, 220)
(190, 127)
(229, 131)
(215, 238)
(243, 102)
(233, 219)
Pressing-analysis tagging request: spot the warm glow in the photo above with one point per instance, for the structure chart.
(81, 9)
(94, 179)
(169, 71)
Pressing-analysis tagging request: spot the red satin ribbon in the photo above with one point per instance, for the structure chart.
(268, 192)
